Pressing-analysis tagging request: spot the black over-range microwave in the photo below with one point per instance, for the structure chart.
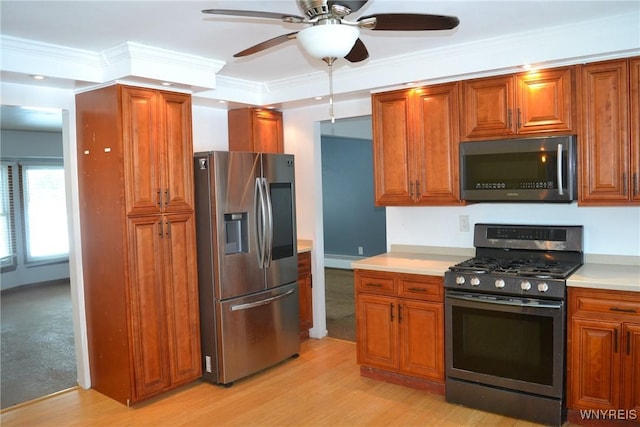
(519, 170)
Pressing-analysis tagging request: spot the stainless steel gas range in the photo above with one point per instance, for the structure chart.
(505, 320)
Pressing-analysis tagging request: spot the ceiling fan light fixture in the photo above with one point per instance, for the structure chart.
(328, 41)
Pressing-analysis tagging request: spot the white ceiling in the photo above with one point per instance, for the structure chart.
(179, 26)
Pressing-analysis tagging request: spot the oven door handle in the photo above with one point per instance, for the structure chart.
(518, 302)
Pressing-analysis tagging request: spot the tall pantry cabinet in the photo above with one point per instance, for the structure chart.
(138, 240)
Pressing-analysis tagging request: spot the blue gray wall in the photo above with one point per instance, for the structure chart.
(350, 218)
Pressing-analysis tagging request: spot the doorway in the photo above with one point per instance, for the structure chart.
(38, 351)
(354, 228)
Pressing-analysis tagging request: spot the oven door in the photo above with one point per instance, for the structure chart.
(508, 342)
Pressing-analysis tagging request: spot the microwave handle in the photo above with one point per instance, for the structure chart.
(559, 170)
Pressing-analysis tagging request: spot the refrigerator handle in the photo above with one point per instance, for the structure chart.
(261, 302)
(268, 225)
(260, 212)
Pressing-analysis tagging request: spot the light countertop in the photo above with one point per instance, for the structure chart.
(304, 245)
(410, 262)
(436, 261)
(615, 277)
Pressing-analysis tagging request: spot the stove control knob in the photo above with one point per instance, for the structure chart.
(499, 283)
(525, 285)
(475, 281)
(460, 280)
(543, 287)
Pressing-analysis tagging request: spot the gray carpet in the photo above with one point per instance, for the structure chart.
(340, 304)
(38, 355)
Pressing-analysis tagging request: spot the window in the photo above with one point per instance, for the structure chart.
(45, 212)
(7, 225)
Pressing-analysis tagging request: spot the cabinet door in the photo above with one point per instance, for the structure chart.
(487, 107)
(377, 331)
(634, 65)
(177, 159)
(305, 292)
(436, 145)
(604, 143)
(421, 339)
(142, 150)
(544, 101)
(595, 365)
(181, 296)
(631, 368)
(147, 305)
(268, 132)
(392, 159)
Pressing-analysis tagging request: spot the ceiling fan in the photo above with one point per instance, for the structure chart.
(330, 36)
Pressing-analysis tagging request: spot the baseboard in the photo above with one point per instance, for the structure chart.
(29, 285)
(436, 387)
(340, 261)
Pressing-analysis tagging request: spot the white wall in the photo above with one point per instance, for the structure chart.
(302, 138)
(610, 230)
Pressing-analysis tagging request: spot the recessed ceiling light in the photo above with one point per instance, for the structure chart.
(318, 98)
(37, 77)
(526, 67)
(166, 84)
(222, 101)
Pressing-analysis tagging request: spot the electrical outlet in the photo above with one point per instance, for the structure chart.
(464, 223)
(360, 250)
(207, 362)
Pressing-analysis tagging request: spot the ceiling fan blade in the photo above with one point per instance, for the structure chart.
(266, 44)
(412, 22)
(358, 52)
(353, 5)
(256, 14)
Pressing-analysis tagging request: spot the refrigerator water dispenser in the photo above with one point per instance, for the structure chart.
(235, 233)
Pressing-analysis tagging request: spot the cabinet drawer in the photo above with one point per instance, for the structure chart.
(374, 282)
(604, 303)
(428, 288)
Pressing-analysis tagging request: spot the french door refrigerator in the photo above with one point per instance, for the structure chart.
(247, 262)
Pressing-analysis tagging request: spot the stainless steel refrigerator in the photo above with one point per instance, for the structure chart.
(247, 262)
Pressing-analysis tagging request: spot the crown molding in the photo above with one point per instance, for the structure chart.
(127, 61)
(32, 57)
(589, 41)
(131, 59)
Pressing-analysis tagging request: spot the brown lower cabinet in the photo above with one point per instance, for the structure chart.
(400, 325)
(604, 350)
(305, 288)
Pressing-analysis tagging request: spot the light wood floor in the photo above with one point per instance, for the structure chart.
(323, 387)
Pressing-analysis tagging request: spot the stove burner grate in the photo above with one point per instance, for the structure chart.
(538, 268)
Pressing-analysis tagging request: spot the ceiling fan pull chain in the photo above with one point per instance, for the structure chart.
(333, 118)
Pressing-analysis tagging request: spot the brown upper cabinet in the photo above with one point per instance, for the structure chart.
(256, 130)
(158, 151)
(527, 103)
(609, 139)
(415, 146)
